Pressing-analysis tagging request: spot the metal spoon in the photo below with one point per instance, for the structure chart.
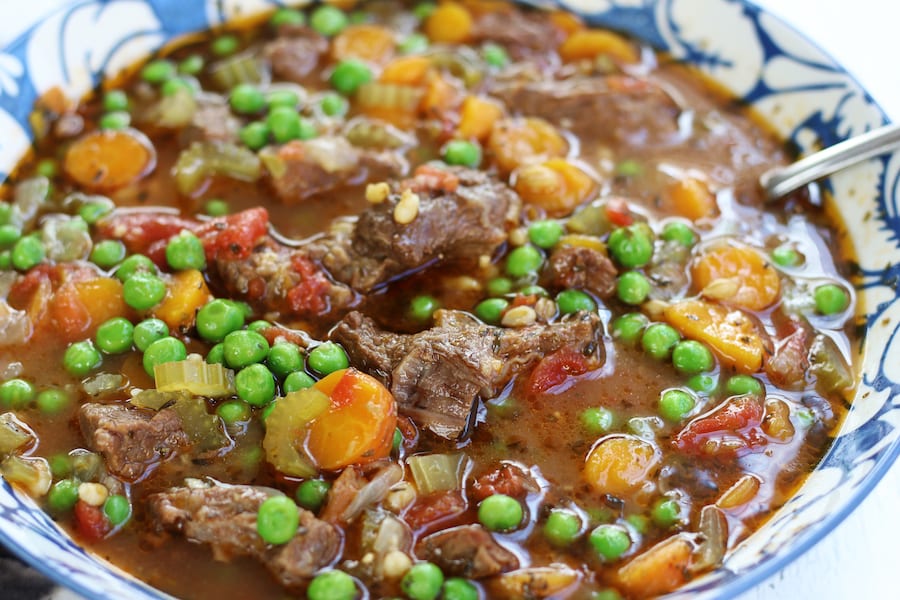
(780, 181)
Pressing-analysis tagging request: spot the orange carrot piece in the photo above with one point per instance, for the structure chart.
(107, 160)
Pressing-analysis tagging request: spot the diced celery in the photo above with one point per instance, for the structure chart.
(196, 376)
(285, 427)
(438, 472)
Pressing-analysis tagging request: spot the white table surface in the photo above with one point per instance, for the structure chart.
(859, 558)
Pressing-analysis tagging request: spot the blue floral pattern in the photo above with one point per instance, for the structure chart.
(804, 95)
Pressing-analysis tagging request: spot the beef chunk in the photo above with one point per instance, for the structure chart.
(224, 516)
(467, 551)
(506, 479)
(438, 375)
(462, 214)
(613, 109)
(523, 34)
(325, 164)
(212, 121)
(582, 268)
(133, 441)
(341, 494)
(787, 365)
(295, 53)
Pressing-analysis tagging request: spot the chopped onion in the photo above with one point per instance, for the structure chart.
(438, 472)
(195, 376)
(104, 382)
(373, 492)
(173, 111)
(714, 541)
(366, 133)
(240, 68)
(285, 427)
(826, 362)
(538, 582)
(13, 433)
(31, 473)
(65, 238)
(202, 160)
(742, 492)
(15, 326)
(30, 195)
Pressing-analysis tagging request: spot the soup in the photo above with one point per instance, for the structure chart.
(458, 300)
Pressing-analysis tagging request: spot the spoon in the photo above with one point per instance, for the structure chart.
(780, 181)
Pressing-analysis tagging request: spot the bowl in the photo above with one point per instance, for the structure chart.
(797, 88)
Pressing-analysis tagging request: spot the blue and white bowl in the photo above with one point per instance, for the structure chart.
(796, 87)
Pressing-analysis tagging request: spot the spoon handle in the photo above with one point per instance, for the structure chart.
(781, 181)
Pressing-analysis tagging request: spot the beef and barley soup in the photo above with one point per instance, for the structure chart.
(448, 300)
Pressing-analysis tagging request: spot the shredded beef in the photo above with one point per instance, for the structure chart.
(438, 375)
(582, 268)
(295, 53)
(133, 441)
(224, 516)
(467, 551)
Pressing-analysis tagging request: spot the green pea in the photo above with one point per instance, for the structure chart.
(499, 512)
(307, 130)
(495, 55)
(217, 318)
(234, 411)
(349, 75)
(332, 585)
(334, 105)
(629, 168)
(572, 301)
(499, 286)
(92, 212)
(136, 263)
(738, 385)
(63, 495)
(158, 71)
(255, 385)
(397, 442)
(216, 354)
(115, 335)
(692, 357)
(596, 420)
(415, 43)
(491, 310)
(168, 349)
(631, 246)
(259, 325)
(178, 85)
(284, 124)
(216, 207)
(247, 99)
(545, 234)
(117, 509)
(244, 347)
(60, 465)
(675, 405)
(632, 287)
(666, 512)
(148, 331)
(629, 327)
(327, 358)
(785, 256)
(422, 308)
(224, 45)
(423, 581)
(277, 520)
(143, 291)
(830, 299)
(457, 588)
(48, 168)
(534, 290)
(606, 594)
(192, 65)
(524, 260)
(6, 212)
(639, 523)
(287, 16)
(27, 252)
(9, 235)
(562, 527)
(328, 20)
(81, 358)
(284, 358)
(659, 339)
(5, 260)
(107, 253)
(283, 98)
(311, 494)
(16, 393)
(610, 541)
(462, 152)
(114, 100)
(423, 10)
(298, 380)
(676, 231)
(52, 401)
(185, 251)
(703, 384)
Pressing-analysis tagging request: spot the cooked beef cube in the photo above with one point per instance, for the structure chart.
(617, 108)
(462, 214)
(133, 441)
(212, 121)
(224, 516)
(467, 551)
(506, 479)
(326, 163)
(523, 34)
(341, 494)
(787, 365)
(295, 53)
(584, 269)
(438, 375)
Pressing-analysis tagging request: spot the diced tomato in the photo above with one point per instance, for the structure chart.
(618, 213)
(435, 509)
(68, 313)
(90, 522)
(233, 237)
(431, 179)
(507, 479)
(310, 295)
(555, 368)
(139, 230)
(731, 428)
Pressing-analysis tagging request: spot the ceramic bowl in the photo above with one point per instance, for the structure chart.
(796, 87)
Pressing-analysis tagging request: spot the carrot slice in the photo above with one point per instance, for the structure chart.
(755, 284)
(107, 160)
